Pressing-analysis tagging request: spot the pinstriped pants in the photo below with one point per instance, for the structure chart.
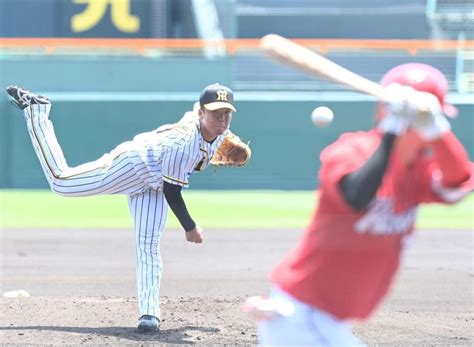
(149, 211)
(113, 173)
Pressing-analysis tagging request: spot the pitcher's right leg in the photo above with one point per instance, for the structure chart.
(113, 173)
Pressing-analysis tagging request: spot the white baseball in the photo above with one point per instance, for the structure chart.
(322, 116)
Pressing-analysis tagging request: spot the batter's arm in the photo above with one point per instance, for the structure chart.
(176, 203)
(452, 159)
(359, 187)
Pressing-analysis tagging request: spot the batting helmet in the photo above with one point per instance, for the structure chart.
(424, 78)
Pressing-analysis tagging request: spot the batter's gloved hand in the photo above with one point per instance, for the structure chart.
(196, 235)
(232, 152)
(400, 107)
(429, 121)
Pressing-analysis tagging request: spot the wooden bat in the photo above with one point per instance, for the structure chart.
(292, 54)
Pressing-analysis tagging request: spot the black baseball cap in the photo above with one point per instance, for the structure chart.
(216, 96)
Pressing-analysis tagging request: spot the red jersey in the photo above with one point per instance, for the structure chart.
(347, 258)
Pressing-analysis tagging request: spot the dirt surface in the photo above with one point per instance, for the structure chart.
(82, 287)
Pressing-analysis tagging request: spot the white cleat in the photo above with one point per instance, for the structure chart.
(263, 308)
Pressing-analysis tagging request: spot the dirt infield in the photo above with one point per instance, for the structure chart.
(82, 286)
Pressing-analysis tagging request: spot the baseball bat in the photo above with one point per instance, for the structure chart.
(293, 54)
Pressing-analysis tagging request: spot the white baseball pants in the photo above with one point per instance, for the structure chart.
(303, 326)
(113, 173)
(149, 211)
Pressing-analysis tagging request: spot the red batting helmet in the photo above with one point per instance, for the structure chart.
(424, 78)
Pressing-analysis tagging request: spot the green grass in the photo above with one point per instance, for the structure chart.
(211, 209)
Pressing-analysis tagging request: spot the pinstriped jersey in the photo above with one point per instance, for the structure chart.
(172, 152)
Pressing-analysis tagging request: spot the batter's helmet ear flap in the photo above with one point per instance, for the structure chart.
(450, 110)
(424, 78)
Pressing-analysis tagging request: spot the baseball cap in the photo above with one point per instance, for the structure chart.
(216, 96)
(424, 78)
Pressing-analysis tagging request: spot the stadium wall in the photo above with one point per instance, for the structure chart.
(98, 103)
(285, 144)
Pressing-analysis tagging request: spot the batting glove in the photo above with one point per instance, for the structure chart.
(429, 121)
(401, 109)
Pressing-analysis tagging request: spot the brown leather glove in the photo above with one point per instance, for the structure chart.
(232, 152)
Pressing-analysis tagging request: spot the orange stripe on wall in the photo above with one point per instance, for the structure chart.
(232, 45)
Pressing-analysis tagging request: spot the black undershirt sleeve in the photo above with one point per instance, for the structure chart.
(359, 187)
(176, 203)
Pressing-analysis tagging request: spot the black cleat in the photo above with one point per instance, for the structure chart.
(148, 323)
(22, 98)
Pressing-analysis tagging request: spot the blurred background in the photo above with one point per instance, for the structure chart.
(115, 68)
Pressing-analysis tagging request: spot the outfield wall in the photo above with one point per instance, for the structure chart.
(285, 144)
(99, 102)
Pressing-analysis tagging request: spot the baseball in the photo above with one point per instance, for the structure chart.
(322, 116)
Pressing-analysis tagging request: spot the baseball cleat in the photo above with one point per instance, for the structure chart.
(263, 308)
(22, 98)
(148, 323)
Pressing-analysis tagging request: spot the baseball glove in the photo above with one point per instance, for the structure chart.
(232, 152)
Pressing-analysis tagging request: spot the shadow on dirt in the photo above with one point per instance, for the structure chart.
(177, 336)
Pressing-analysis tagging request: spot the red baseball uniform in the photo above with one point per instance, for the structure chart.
(347, 258)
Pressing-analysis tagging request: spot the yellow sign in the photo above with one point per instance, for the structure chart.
(122, 19)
